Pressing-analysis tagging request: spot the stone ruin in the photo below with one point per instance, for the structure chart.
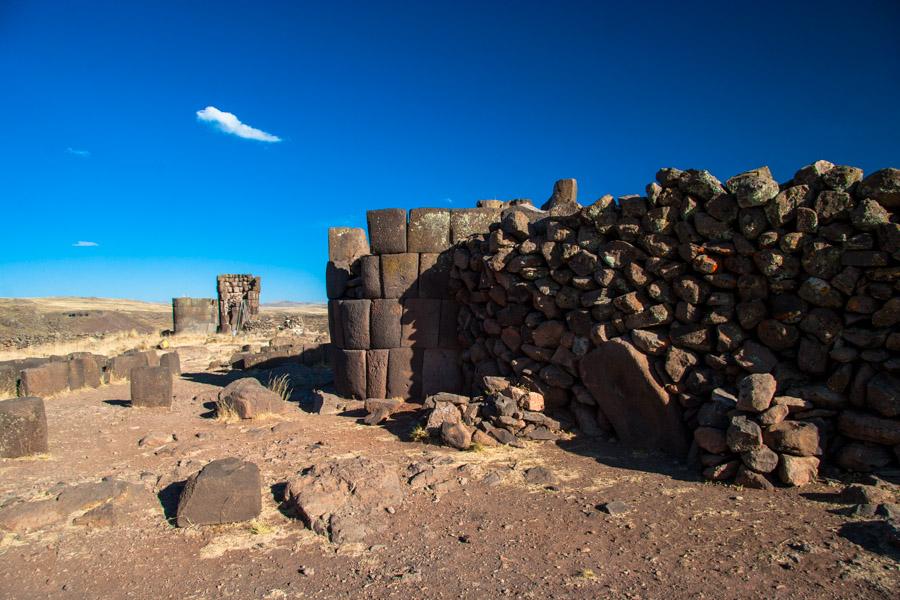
(195, 315)
(238, 301)
(749, 326)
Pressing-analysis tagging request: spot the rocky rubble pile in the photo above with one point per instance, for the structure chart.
(753, 321)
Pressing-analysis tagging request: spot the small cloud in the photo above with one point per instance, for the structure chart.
(85, 244)
(448, 200)
(229, 123)
(79, 153)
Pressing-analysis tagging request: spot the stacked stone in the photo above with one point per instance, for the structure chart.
(761, 315)
(233, 290)
(391, 317)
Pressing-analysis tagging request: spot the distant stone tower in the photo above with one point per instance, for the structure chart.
(238, 301)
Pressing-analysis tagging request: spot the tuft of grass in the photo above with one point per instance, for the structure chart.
(225, 412)
(282, 386)
(476, 447)
(419, 434)
(260, 528)
(587, 573)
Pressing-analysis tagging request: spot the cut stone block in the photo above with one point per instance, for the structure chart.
(376, 373)
(335, 328)
(84, 372)
(434, 275)
(405, 373)
(387, 230)
(23, 427)
(385, 324)
(428, 230)
(336, 277)
(172, 362)
(346, 244)
(441, 372)
(449, 334)
(151, 387)
(120, 366)
(354, 319)
(370, 269)
(399, 275)
(469, 221)
(421, 323)
(227, 490)
(46, 380)
(350, 373)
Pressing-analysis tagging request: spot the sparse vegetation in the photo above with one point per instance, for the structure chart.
(281, 385)
(476, 447)
(587, 573)
(225, 412)
(419, 434)
(259, 528)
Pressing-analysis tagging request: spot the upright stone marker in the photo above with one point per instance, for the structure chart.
(151, 387)
(23, 427)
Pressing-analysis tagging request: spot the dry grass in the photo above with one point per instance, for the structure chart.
(281, 385)
(259, 528)
(225, 412)
(419, 434)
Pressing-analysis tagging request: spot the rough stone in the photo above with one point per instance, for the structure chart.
(151, 387)
(249, 399)
(227, 490)
(23, 427)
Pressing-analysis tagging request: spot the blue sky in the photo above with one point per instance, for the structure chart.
(386, 104)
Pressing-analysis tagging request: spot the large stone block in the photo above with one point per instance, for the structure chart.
(249, 399)
(428, 230)
(120, 366)
(354, 319)
(441, 372)
(346, 244)
(434, 275)
(449, 334)
(350, 373)
(9, 379)
(625, 388)
(399, 275)
(151, 387)
(335, 328)
(387, 230)
(385, 324)
(421, 323)
(370, 273)
(405, 373)
(84, 372)
(45, 380)
(172, 362)
(227, 490)
(376, 373)
(23, 427)
(195, 315)
(336, 277)
(469, 221)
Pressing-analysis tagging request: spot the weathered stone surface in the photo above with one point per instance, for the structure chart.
(23, 427)
(46, 380)
(434, 275)
(370, 276)
(755, 357)
(346, 244)
(755, 392)
(869, 428)
(387, 230)
(564, 200)
(345, 499)
(151, 387)
(751, 479)
(400, 275)
(441, 371)
(753, 188)
(227, 490)
(743, 435)
(469, 221)
(761, 460)
(794, 437)
(883, 395)
(456, 435)
(170, 361)
(420, 323)
(385, 322)
(711, 439)
(882, 186)
(376, 373)
(350, 373)
(249, 399)
(354, 318)
(641, 412)
(863, 458)
(797, 470)
(405, 373)
(428, 230)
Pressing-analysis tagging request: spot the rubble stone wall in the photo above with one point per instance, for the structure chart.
(752, 322)
(234, 290)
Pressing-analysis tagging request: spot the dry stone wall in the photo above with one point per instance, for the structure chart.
(238, 300)
(195, 315)
(750, 324)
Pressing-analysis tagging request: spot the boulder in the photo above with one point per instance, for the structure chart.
(755, 392)
(743, 435)
(641, 412)
(249, 399)
(45, 380)
(457, 435)
(23, 427)
(798, 438)
(345, 499)
(172, 362)
(798, 470)
(227, 490)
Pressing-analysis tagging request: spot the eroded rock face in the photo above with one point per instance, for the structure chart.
(23, 427)
(227, 490)
(345, 499)
(640, 411)
(249, 399)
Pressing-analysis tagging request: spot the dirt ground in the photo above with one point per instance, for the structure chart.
(482, 533)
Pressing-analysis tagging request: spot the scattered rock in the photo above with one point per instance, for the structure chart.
(227, 490)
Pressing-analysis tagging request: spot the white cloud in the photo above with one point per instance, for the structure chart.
(80, 153)
(85, 244)
(229, 123)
